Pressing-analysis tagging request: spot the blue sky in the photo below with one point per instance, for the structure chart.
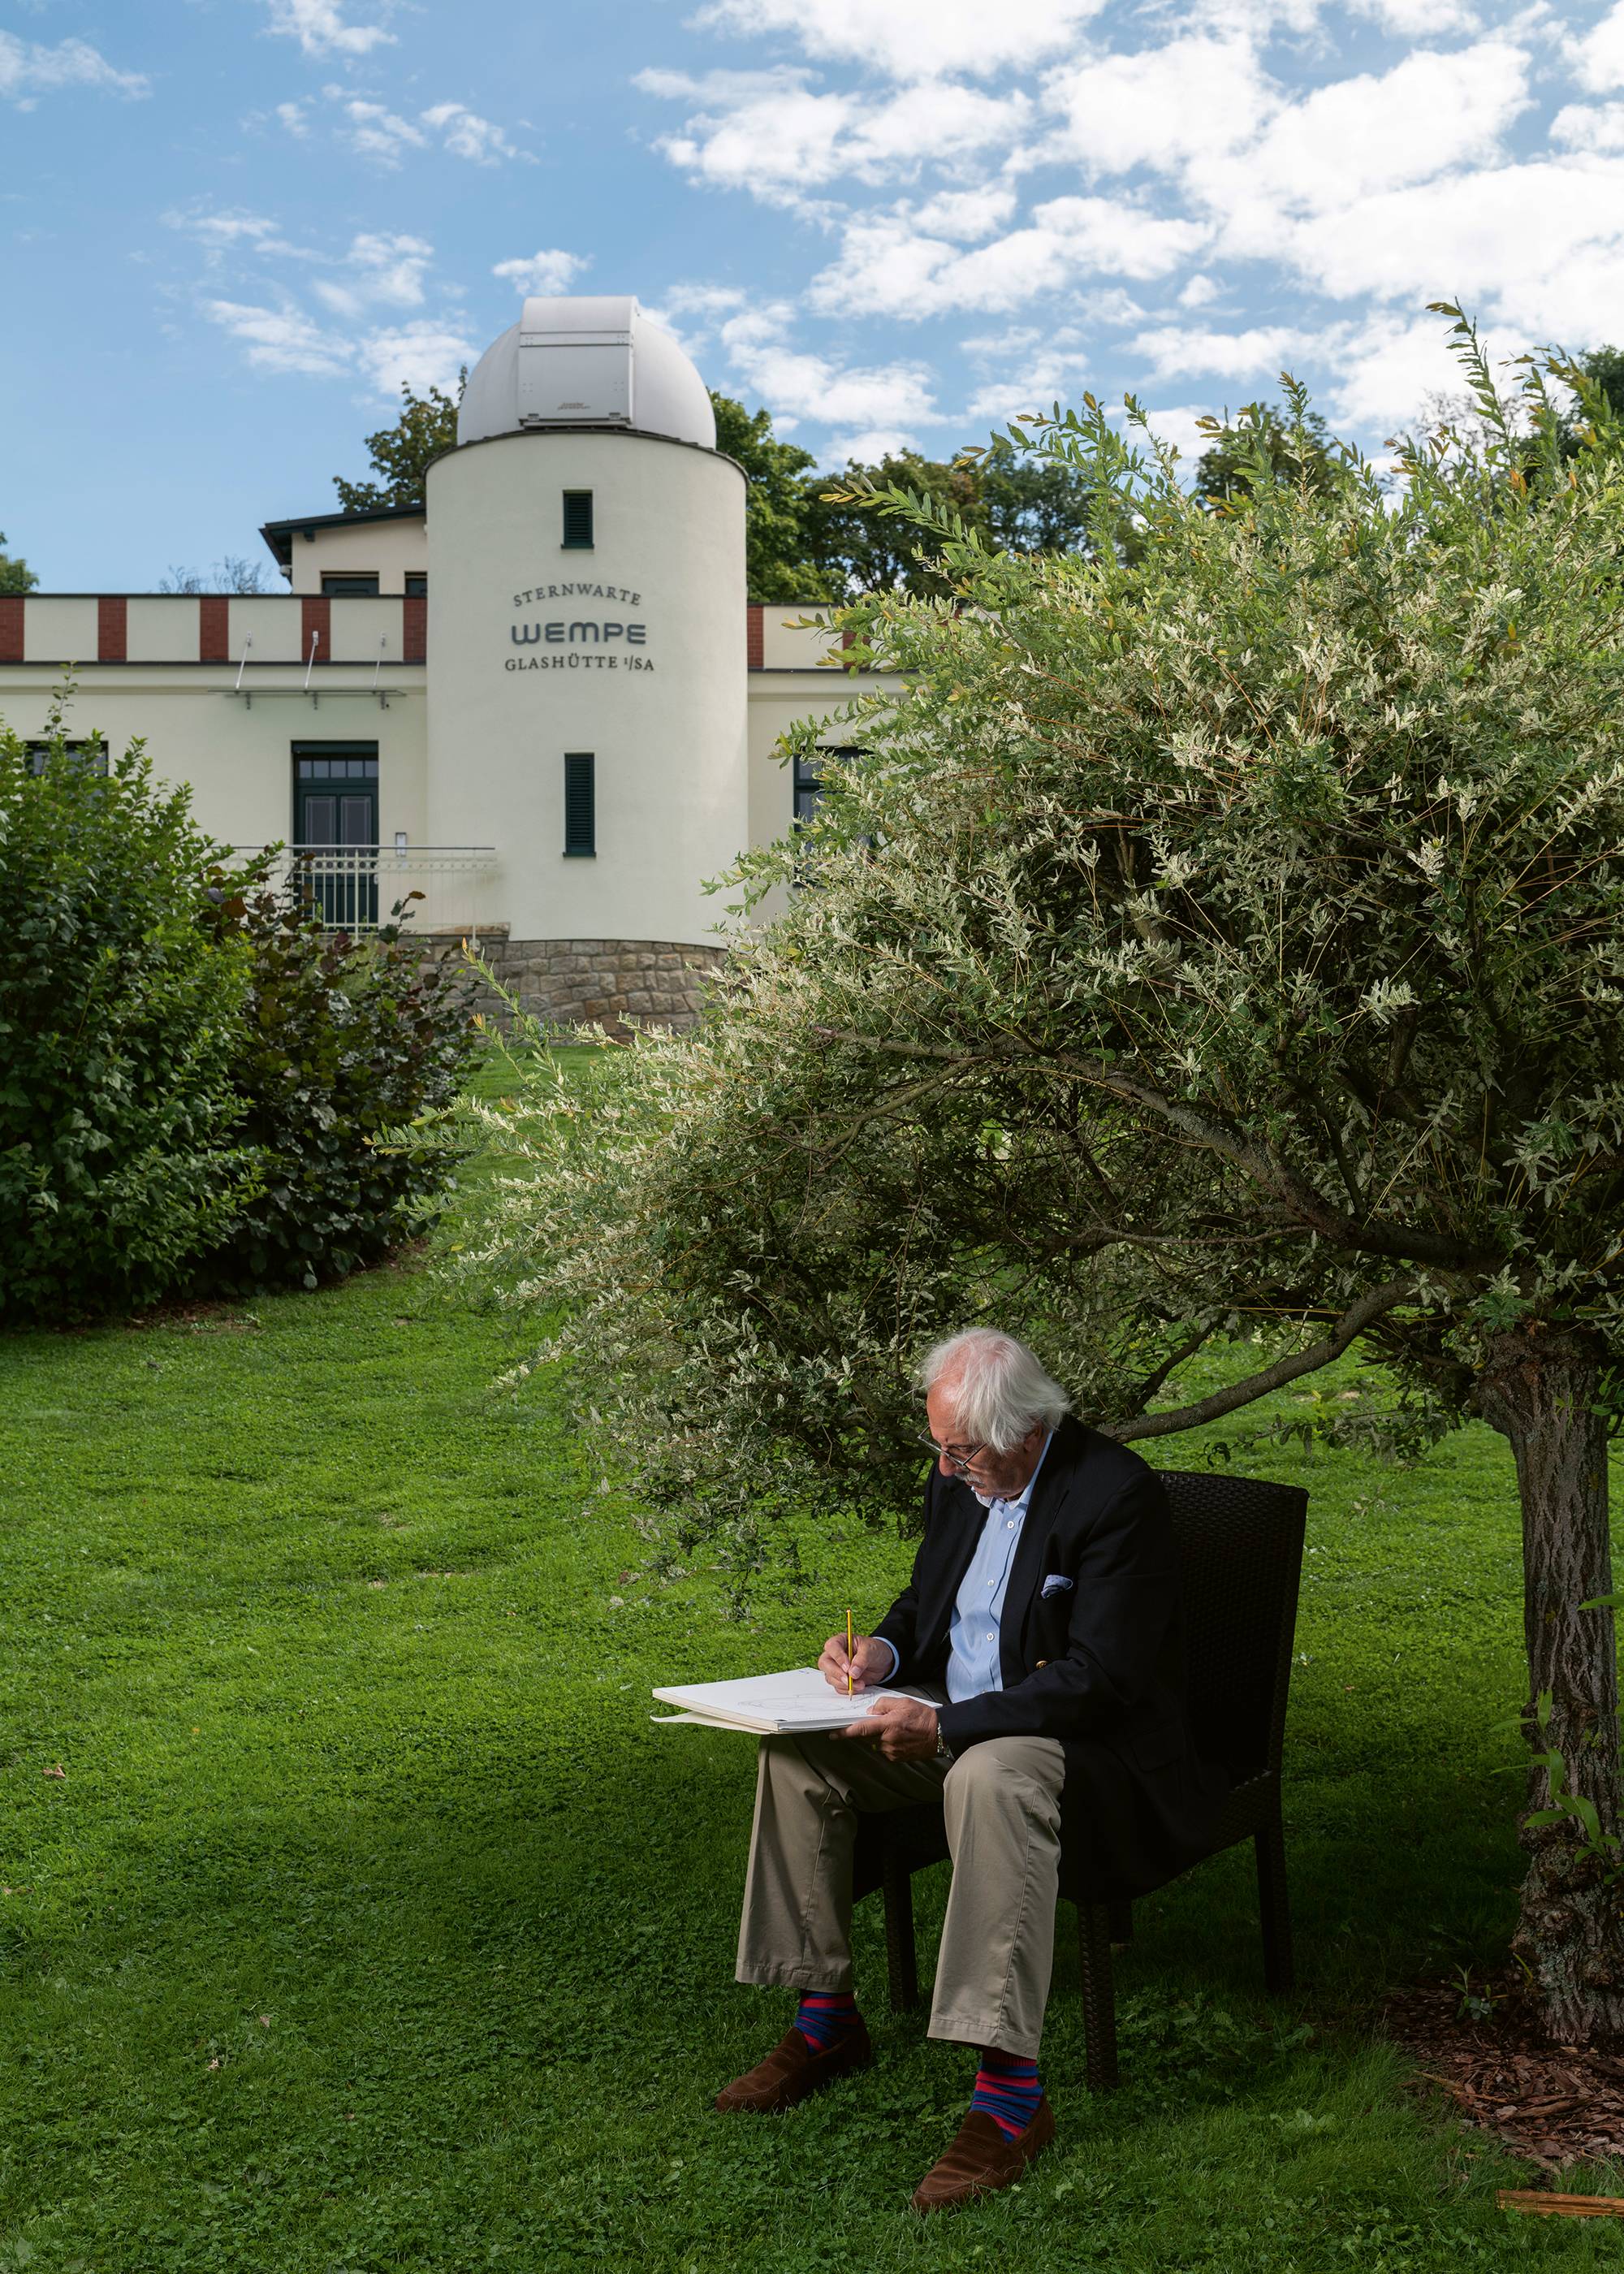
(232, 226)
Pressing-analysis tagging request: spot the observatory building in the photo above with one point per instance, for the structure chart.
(542, 701)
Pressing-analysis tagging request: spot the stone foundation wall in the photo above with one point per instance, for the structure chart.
(570, 982)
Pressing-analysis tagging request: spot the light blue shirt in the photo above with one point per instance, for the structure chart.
(978, 1608)
(972, 1665)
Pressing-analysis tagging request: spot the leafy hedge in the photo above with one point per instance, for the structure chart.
(348, 1044)
(122, 1151)
(199, 1085)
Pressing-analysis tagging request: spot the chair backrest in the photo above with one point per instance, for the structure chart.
(1240, 1545)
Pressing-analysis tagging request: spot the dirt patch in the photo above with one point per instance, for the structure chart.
(1554, 2105)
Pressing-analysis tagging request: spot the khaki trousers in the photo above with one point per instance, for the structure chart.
(1001, 1802)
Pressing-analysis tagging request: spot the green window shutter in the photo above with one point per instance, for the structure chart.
(578, 520)
(580, 804)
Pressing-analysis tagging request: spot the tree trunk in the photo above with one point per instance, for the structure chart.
(1539, 1387)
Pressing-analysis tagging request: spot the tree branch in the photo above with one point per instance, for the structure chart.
(1265, 1168)
(1353, 1322)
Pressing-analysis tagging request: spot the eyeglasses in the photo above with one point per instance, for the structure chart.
(957, 1456)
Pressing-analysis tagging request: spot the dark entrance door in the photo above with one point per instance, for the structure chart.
(335, 822)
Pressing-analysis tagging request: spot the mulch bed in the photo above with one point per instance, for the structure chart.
(1554, 2105)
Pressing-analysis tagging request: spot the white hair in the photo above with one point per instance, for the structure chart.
(1001, 1388)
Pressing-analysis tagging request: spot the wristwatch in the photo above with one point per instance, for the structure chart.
(944, 1751)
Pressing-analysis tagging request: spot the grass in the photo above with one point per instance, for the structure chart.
(372, 1928)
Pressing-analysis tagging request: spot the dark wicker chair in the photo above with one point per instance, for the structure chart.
(1240, 1548)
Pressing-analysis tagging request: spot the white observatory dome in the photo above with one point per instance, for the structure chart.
(589, 361)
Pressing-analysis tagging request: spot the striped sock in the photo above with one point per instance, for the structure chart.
(824, 2016)
(1008, 2089)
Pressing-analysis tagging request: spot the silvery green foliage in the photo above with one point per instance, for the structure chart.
(1219, 934)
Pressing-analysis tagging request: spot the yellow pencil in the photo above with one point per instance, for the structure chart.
(848, 1653)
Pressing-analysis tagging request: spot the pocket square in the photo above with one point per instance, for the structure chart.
(1056, 1584)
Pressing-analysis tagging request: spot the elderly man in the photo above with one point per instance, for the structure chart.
(1043, 1623)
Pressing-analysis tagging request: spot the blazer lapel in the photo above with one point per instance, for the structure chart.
(965, 1515)
(1048, 1495)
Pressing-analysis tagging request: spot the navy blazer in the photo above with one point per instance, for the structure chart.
(1097, 1663)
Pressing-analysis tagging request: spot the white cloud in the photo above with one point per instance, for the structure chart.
(1356, 136)
(1179, 428)
(376, 132)
(1418, 19)
(29, 70)
(966, 215)
(233, 231)
(1598, 57)
(469, 135)
(1051, 376)
(418, 356)
(770, 134)
(1391, 364)
(888, 268)
(283, 339)
(1200, 292)
(1540, 245)
(385, 136)
(910, 39)
(544, 273)
(1173, 351)
(889, 399)
(1590, 126)
(292, 117)
(1160, 106)
(320, 29)
(387, 271)
(364, 325)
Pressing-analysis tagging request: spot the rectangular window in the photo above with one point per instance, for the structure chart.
(416, 583)
(79, 755)
(578, 521)
(580, 804)
(349, 587)
(808, 789)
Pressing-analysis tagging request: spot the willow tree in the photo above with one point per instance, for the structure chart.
(1216, 949)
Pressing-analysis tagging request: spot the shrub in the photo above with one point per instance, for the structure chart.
(352, 1049)
(122, 1154)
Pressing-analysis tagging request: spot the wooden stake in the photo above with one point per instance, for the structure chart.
(1541, 2202)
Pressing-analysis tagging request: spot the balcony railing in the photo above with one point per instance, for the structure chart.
(357, 887)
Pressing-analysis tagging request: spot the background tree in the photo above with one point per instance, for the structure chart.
(817, 536)
(15, 575)
(1013, 499)
(402, 453)
(779, 506)
(1218, 954)
(233, 573)
(1262, 444)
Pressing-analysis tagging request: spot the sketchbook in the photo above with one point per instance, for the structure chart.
(772, 1704)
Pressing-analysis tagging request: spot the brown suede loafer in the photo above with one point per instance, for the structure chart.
(983, 2159)
(794, 2068)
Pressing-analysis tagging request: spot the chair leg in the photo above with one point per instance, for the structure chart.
(1121, 1923)
(1094, 1937)
(901, 1958)
(1273, 1909)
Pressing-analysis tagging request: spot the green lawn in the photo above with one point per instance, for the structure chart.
(373, 1927)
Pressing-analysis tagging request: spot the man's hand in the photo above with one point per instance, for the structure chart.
(869, 1663)
(903, 1728)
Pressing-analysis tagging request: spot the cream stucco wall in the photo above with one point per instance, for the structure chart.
(387, 549)
(524, 666)
(238, 755)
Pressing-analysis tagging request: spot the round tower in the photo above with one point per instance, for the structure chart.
(587, 655)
